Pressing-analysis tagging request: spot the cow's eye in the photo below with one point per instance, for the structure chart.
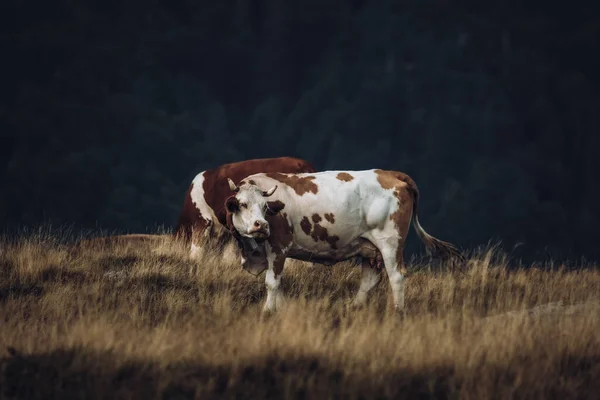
(243, 205)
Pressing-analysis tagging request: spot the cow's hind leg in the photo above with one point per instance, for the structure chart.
(370, 276)
(391, 251)
(394, 267)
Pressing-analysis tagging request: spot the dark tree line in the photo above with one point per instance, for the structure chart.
(108, 109)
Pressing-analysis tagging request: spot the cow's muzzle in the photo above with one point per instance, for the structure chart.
(260, 229)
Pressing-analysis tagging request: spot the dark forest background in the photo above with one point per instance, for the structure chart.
(109, 108)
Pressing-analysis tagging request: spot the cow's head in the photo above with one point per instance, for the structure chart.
(248, 208)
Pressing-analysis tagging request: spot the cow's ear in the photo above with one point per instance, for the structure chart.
(232, 204)
(273, 207)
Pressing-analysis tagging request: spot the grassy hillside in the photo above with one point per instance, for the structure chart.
(124, 322)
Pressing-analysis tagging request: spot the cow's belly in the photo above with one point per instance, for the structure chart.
(324, 252)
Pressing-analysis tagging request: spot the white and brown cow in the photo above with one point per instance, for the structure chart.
(329, 217)
(203, 212)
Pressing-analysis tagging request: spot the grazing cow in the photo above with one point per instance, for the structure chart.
(328, 217)
(203, 212)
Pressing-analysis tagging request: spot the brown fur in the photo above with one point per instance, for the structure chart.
(273, 207)
(279, 223)
(216, 191)
(344, 176)
(317, 231)
(329, 217)
(305, 225)
(320, 233)
(300, 185)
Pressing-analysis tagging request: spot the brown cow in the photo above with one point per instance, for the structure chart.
(203, 212)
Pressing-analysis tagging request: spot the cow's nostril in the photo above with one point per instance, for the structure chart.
(257, 224)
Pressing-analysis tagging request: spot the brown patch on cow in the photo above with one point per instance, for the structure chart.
(344, 176)
(273, 207)
(329, 217)
(318, 232)
(305, 225)
(394, 179)
(249, 182)
(282, 233)
(300, 184)
(401, 218)
(278, 264)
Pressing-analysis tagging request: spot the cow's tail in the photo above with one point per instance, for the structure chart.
(433, 245)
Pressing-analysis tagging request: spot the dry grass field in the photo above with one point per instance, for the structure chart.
(146, 323)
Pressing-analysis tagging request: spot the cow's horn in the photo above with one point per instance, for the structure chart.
(232, 185)
(270, 191)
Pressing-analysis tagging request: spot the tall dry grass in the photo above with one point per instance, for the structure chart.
(138, 322)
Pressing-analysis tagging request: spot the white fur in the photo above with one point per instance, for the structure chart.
(274, 298)
(197, 196)
(361, 208)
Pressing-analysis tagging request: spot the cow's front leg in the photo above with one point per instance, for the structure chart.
(272, 279)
